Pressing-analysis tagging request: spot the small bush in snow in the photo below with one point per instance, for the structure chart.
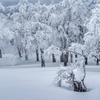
(73, 75)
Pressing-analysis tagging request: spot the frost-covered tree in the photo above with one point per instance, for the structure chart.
(92, 37)
(19, 23)
(76, 48)
(5, 33)
(43, 37)
(53, 51)
(38, 26)
(67, 20)
(73, 75)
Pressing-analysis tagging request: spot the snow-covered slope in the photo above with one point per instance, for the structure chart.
(37, 84)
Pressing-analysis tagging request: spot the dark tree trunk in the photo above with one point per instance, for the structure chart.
(79, 86)
(0, 53)
(66, 59)
(76, 56)
(62, 57)
(97, 61)
(42, 58)
(26, 55)
(19, 52)
(53, 58)
(71, 56)
(37, 55)
(86, 61)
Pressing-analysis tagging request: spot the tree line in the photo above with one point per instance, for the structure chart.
(70, 25)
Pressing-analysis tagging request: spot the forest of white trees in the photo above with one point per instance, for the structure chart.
(64, 28)
(69, 29)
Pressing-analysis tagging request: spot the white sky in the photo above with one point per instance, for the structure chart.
(10, 2)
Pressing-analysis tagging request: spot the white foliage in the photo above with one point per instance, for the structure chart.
(64, 74)
(76, 47)
(92, 37)
(41, 26)
(52, 50)
(75, 72)
(79, 70)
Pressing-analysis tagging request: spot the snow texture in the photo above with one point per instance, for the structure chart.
(25, 83)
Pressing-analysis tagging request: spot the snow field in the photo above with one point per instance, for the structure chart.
(23, 83)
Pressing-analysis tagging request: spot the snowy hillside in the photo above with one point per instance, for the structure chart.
(37, 84)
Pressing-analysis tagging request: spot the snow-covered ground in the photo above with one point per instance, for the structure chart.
(34, 83)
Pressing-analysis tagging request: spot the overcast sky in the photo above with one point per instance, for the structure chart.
(10, 2)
